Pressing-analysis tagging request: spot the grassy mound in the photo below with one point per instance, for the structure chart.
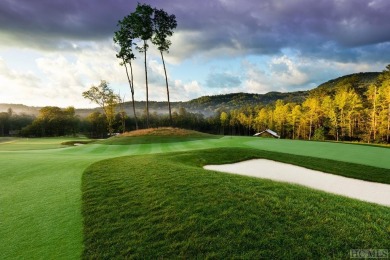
(157, 135)
(166, 131)
(167, 206)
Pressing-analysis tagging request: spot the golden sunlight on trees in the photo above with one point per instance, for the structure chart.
(346, 112)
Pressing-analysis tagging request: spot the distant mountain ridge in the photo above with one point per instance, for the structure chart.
(19, 108)
(359, 81)
(207, 105)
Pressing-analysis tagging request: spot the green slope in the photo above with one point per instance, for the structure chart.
(167, 206)
(40, 188)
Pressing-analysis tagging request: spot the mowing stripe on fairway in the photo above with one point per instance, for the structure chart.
(144, 149)
(40, 189)
(156, 148)
(166, 147)
(83, 149)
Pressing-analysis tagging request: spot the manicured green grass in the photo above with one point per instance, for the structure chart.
(40, 205)
(6, 139)
(40, 198)
(40, 180)
(368, 155)
(128, 140)
(375, 156)
(23, 144)
(387, 146)
(167, 206)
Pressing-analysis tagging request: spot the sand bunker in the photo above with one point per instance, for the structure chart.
(363, 190)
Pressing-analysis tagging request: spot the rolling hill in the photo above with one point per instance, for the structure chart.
(207, 105)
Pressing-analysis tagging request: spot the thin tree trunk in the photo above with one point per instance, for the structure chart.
(147, 89)
(166, 82)
(293, 136)
(337, 126)
(350, 127)
(299, 131)
(342, 123)
(132, 90)
(132, 96)
(374, 116)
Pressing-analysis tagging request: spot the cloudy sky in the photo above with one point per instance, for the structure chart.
(53, 50)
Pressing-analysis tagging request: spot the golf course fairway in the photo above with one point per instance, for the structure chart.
(41, 183)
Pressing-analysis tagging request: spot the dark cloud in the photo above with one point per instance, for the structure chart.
(332, 29)
(85, 19)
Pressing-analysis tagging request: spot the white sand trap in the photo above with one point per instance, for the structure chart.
(363, 190)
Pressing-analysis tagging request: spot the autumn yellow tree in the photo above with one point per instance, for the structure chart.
(354, 105)
(224, 118)
(246, 120)
(340, 101)
(280, 116)
(233, 122)
(372, 98)
(329, 109)
(294, 119)
(261, 120)
(312, 109)
(384, 104)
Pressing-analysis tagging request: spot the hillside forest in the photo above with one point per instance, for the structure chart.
(351, 108)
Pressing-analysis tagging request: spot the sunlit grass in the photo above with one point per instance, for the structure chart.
(23, 144)
(167, 206)
(40, 180)
(157, 135)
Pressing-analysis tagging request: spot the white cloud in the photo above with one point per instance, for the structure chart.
(289, 74)
(60, 78)
(258, 80)
(183, 46)
(17, 86)
(182, 91)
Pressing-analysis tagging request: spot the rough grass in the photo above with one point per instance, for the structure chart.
(167, 206)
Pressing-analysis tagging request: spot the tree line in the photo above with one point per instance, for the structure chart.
(346, 112)
(53, 121)
(341, 113)
(11, 122)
